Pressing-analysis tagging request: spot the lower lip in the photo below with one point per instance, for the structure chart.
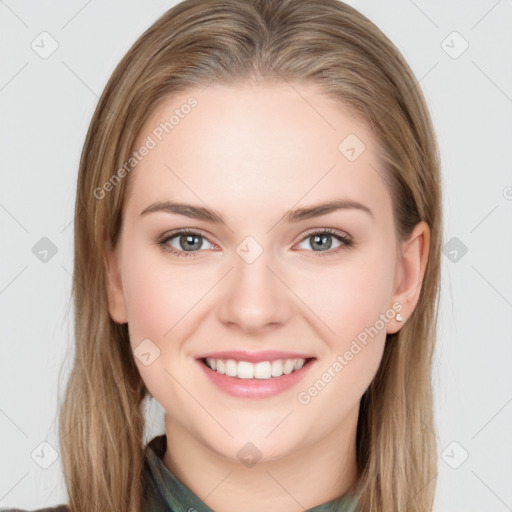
(255, 388)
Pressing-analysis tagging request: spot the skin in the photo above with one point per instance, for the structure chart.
(252, 153)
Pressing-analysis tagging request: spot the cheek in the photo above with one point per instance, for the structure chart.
(349, 297)
(159, 295)
(353, 302)
(149, 306)
(160, 300)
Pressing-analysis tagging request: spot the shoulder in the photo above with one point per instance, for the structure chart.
(58, 508)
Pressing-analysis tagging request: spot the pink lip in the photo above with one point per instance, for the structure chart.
(254, 357)
(254, 388)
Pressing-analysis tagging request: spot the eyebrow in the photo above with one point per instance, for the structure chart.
(210, 215)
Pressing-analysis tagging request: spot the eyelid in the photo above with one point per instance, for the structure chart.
(330, 231)
(192, 231)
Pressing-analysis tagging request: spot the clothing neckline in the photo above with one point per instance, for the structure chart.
(165, 492)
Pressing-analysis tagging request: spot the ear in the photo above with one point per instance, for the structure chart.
(116, 303)
(410, 271)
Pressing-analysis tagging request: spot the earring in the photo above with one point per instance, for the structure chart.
(399, 317)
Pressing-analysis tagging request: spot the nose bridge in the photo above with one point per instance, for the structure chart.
(253, 297)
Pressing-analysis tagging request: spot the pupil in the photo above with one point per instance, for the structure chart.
(322, 239)
(190, 242)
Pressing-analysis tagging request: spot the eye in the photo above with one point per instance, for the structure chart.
(327, 241)
(184, 242)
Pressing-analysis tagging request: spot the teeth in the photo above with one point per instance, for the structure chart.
(299, 363)
(231, 368)
(261, 370)
(244, 370)
(288, 366)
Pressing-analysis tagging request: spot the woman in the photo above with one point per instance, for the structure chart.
(257, 247)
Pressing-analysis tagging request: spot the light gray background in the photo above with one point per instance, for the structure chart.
(46, 106)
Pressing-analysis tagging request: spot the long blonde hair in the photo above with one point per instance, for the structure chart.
(324, 42)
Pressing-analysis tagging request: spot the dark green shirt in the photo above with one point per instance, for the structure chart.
(165, 493)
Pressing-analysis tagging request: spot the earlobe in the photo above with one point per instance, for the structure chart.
(412, 265)
(116, 302)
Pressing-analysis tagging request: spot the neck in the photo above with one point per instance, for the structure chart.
(290, 483)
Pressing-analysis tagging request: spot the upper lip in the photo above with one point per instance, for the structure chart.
(254, 357)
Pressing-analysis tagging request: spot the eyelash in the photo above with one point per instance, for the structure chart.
(346, 242)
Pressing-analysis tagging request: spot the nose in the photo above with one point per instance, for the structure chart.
(253, 299)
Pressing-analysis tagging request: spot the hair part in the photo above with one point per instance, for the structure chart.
(321, 42)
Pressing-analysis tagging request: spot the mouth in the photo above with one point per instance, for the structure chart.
(262, 375)
(262, 370)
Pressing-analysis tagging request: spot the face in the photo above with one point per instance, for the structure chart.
(258, 240)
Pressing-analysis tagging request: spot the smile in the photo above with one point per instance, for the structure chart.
(255, 375)
(261, 370)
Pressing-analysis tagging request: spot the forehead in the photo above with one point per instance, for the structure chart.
(254, 144)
